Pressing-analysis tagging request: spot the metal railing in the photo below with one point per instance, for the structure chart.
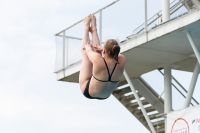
(175, 6)
(65, 38)
(181, 88)
(143, 27)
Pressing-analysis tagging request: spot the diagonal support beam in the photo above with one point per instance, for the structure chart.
(192, 85)
(139, 101)
(194, 47)
(196, 70)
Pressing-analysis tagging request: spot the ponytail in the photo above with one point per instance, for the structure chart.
(112, 48)
(115, 52)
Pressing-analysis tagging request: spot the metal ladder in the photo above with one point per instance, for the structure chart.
(152, 102)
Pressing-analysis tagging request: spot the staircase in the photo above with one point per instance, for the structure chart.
(149, 98)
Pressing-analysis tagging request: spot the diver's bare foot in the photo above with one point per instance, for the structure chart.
(87, 21)
(93, 24)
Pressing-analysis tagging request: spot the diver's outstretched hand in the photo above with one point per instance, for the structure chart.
(98, 48)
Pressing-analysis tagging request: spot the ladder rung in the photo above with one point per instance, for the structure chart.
(122, 91)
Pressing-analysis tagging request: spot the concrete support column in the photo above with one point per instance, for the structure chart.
(165, 10)
(168, 92)
(192, 85)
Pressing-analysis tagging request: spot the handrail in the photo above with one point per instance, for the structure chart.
(83, 19)
(181, 87)
(71, 37)
(159, 15)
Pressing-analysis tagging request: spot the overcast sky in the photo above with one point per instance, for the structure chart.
(31, 99)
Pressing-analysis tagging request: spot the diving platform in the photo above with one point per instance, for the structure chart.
(172, 43)
(164, 45)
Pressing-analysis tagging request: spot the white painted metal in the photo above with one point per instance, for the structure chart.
(100, 26)
(165, 10)
(158, 16)
(168, 89)
(190, 4)
(148, 92)
(139, 101)
(162, 48)
(194, 47)
(93, 13)
(168, 92)
(145, 15)
(184, 89)
(71, 37)
(181, 88)
(192, 85)
(64, 53)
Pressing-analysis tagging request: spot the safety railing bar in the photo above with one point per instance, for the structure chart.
(76, 38)
(176, 9)
(153, 16)
(183, 89)
(147, 21)
(158, 17)
(181, 93)
(149, 24)
(180, 86)
(70, 37)
(83, 19)
(176, 4)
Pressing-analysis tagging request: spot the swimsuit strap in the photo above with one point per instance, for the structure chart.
(99, 79)
(107, 69)
(110, 75)
(113, 70)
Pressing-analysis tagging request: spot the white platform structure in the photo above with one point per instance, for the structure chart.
(174, 43)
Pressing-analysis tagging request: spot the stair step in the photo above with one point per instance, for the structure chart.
(139, 111)
(122, 91)
(122, 83)
(128, 98)
(151, 117)
(159, 123)
(135, 105)
(160, 130)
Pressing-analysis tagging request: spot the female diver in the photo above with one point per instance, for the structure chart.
(102, 67)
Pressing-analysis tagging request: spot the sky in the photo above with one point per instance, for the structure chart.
(31, 98)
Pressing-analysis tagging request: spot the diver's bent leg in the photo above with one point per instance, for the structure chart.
(86, 66)
(93, 30)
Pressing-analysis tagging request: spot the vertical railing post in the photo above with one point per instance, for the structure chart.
(64, 53)
(139, 101)
(145, 15)
(100, 26)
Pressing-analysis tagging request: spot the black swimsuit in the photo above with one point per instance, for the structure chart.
(86, 91)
